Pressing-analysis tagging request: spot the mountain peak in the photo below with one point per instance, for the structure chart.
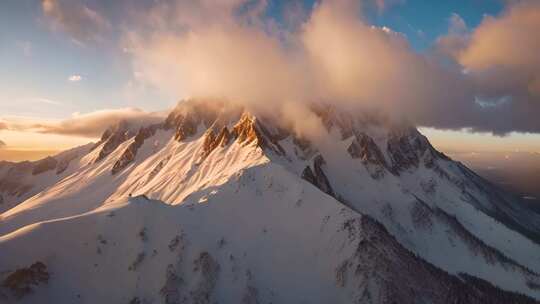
(209, 193)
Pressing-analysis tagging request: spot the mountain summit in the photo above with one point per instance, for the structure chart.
(221, 204)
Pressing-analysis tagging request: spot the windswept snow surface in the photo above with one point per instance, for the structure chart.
(195, 217)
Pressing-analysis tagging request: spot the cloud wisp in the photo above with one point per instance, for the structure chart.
(90, 125)
(75, 78)
(82, 23)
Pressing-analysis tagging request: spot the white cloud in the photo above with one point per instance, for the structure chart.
(75, 78)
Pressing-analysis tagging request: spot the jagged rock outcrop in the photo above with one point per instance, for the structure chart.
(246, 132)
(21, 281)
(131, 151)
(250, 130)
(212, 141)
(364, 148)
(407, 148)
(317, 176)
(44, 165)
(188, 115)
(114, 137)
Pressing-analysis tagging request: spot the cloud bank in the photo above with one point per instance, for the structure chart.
(484, 79)
(90, 125)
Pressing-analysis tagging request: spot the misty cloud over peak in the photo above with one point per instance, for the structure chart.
(232, 49)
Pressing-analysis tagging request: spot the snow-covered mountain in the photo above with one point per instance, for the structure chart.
(218, 204)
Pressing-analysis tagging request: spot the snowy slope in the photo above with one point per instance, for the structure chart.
(20, 181)
(237, 209)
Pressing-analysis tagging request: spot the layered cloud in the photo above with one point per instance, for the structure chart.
(90, 125)
(500, 58)
(487, 79)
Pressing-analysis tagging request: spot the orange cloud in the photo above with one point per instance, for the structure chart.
(90, 125)
(231, 49)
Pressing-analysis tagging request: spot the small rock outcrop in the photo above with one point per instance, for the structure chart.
(317, 176)
(131, 151)
(212, 141)
(364, 148)
(20, 282)
(246, 132)
(44, 165)
(112, 138)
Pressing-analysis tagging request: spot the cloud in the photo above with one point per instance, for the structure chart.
(501, 60)
(2, 144)
(81, 22)
(335, 56)
(90, 125)
(482, 79)
(75, 78)
(508, 45)
(41, 100)
(3, 125)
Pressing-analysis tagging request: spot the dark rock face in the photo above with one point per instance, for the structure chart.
(20, 282)
(44, 165)
(113, 137)
(186, 127)
(317, 176)
(62, 166)
(402, 277)
(131, 151)
(364, 148)
(407, 148)
(196, 285)
(11, 183)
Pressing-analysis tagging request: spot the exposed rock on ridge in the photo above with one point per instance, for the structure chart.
(131, 151)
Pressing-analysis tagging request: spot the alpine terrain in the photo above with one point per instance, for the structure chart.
(218, 203)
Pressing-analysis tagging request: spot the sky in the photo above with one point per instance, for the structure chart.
(466, 71)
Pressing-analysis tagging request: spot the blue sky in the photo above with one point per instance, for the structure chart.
(37, 62)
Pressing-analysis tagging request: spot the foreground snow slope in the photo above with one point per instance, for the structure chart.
(239, 208)
(291, 244)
